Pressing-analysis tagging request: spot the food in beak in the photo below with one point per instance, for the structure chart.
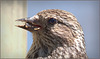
(28, 24)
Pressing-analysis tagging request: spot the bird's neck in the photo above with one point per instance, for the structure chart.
(48, 45)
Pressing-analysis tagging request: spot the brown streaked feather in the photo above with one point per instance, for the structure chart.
(63, 40)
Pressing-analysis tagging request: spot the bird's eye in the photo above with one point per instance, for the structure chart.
(52, 21)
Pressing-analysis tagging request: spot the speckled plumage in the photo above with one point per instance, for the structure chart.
(62, 40)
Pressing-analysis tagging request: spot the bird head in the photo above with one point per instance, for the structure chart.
(51, 29)
(55, 22)
(46, 19)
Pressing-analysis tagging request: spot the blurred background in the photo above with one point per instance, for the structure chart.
(15, 42)
(87, 14)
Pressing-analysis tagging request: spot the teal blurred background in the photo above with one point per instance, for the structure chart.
(87, 14)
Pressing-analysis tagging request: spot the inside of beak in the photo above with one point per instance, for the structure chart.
(28, 24)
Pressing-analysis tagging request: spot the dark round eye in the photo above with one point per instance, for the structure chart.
(52, 21)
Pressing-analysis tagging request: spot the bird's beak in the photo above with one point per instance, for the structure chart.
(30, 24)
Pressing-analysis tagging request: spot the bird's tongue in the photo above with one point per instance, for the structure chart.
(37, 25)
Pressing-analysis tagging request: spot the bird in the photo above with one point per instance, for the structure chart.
(56, 35)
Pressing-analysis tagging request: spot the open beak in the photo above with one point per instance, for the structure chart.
(30, 24)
